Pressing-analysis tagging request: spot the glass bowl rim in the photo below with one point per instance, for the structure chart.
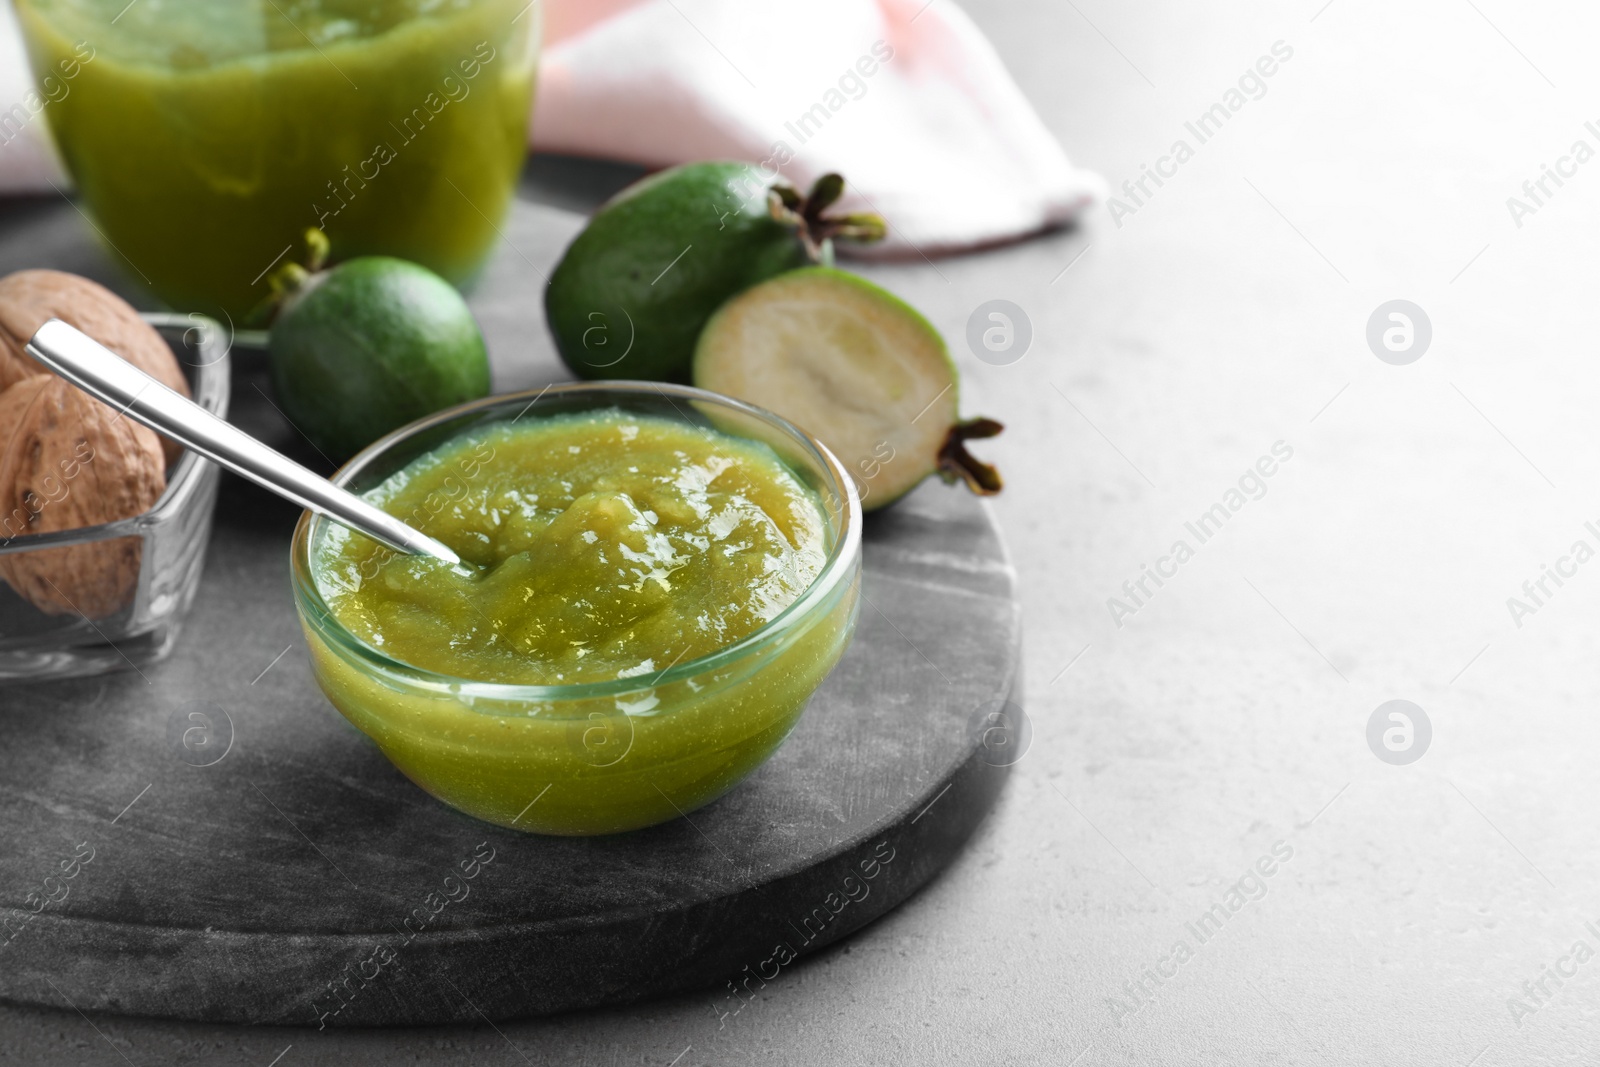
(845, 552)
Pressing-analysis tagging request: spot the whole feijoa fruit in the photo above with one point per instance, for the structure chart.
(370, 345)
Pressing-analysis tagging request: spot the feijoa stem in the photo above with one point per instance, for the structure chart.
(817, 229)
(291, 277)
(955, 462)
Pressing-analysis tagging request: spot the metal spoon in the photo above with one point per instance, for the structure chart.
(101, 373)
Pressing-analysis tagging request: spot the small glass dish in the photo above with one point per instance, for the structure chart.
(598, 757)
(39, 642)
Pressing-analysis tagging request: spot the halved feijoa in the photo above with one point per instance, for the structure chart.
(855, 366)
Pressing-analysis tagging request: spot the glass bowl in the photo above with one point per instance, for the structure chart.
(598, 757)
(40, 642)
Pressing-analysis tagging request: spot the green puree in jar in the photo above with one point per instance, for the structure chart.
(208, 135)
(612, 545)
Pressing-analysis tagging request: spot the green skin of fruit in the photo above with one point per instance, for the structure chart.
(369, 346)
(613, 311)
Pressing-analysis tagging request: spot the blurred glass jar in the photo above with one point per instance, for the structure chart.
(206, 136)
(169, 543)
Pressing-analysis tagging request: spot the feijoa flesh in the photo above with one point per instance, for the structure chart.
(855, 366)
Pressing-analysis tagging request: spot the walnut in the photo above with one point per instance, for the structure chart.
(30, 298)
(67, 461)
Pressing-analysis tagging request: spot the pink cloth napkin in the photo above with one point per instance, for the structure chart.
(906, 98)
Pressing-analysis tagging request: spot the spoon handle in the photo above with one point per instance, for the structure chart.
(101, 373)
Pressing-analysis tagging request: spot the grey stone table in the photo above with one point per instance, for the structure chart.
(1229, 710)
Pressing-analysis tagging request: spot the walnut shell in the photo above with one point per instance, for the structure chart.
(30, 298)
(67, 461)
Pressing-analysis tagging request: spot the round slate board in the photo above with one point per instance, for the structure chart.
(300, 879)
